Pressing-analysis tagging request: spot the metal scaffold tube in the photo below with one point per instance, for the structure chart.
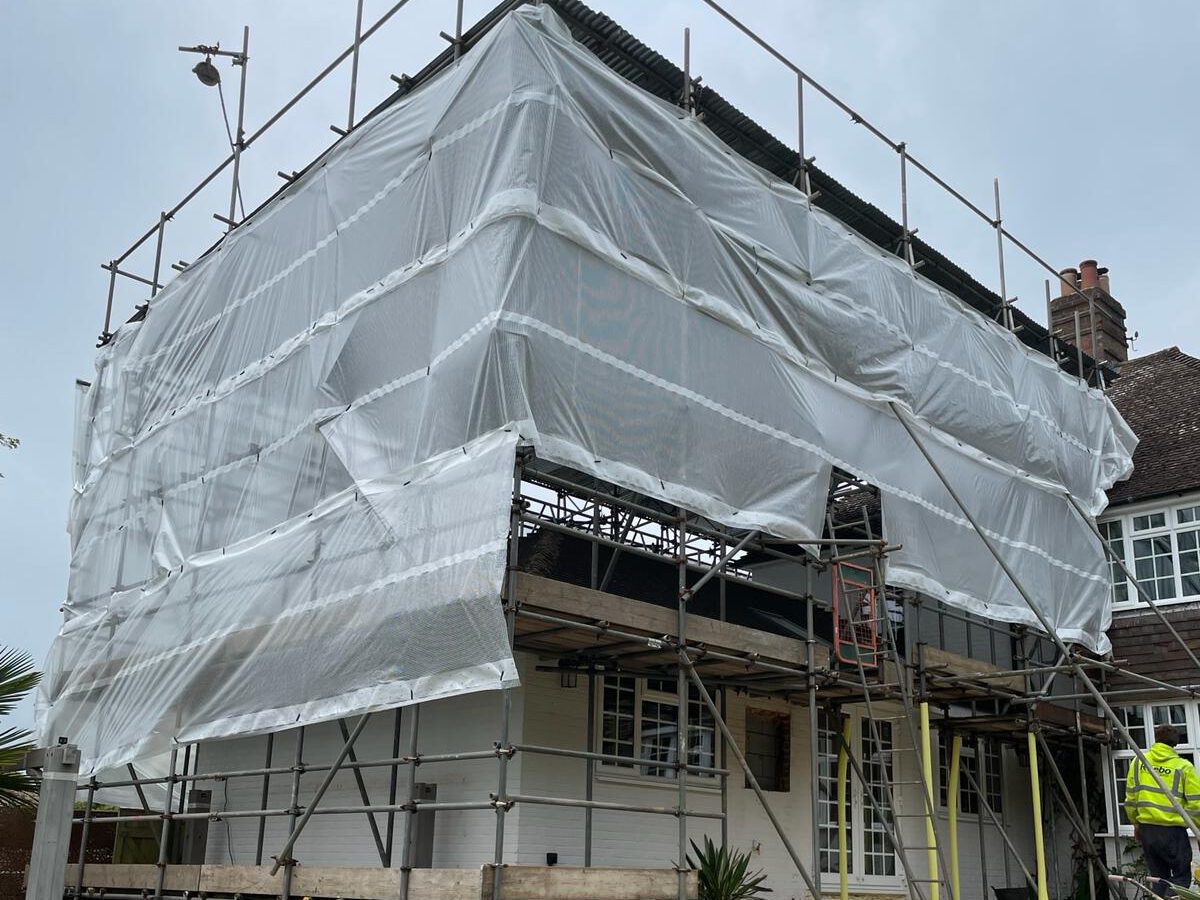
(843, 760)
(952, 812)
(1035, 802)
(927, 789)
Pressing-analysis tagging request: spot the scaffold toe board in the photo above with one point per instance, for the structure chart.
(294, 476)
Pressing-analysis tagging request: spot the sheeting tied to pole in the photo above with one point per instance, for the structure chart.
(293, 477)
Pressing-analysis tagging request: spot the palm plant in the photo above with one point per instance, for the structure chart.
(17, 679)
(724, 874)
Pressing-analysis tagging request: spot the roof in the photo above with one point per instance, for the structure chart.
(1158, 395)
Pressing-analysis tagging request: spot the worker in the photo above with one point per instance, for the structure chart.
(1157, 825)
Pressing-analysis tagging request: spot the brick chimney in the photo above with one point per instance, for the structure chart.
(1105, 338)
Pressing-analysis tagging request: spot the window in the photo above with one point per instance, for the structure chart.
(993, 781)
(617, 728)
(644, 714)
(768, 748)
(879, 858)
(1114, 536)
(827, 749)
(1154, 566)
(1149, 521)
(1162, 548)
(1174, 714)
(1140, 719)
(870, 855)
(989, 780)
(1189, 562)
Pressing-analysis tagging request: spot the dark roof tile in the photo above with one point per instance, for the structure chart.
(1159, 395)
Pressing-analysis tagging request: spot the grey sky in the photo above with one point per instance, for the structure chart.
(1085, 111)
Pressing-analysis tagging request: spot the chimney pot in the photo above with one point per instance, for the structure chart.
(1089, 274)
(1069, 280)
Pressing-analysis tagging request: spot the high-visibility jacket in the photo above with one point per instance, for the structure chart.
(1145, 801)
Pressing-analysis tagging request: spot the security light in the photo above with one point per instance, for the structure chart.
(207, 72)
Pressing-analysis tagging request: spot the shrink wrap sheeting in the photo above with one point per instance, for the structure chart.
(294, 477)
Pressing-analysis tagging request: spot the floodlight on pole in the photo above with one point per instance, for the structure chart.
(210, 76)
(207, 72)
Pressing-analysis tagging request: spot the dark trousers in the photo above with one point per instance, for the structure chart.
(1168, 856)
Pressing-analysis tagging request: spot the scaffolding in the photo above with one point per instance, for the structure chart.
(873, 652)
(1016, 704)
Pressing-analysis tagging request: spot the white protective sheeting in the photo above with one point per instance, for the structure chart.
(293, 492)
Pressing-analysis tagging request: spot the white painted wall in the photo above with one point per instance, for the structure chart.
(462, 838)
(546, 713)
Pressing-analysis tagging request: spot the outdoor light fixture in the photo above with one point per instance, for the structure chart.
(209, 76)
(207, 72)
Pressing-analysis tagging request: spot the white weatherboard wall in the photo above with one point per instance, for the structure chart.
(293, 482)
(546, 713)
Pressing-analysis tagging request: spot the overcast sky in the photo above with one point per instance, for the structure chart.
(1085, 110)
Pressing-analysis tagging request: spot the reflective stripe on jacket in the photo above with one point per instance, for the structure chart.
(1146, 803)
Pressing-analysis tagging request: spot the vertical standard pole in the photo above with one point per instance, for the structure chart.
(354, 63)
(162, 226)
(1050, 324)
(52, 828)
(814, 747)
(1004, 307)
(392, 781)
(112, 287)
(907, 235)
(802, 172)
(843, 860)
(590, 764)
(687, 69)
(927, 787)
(681, 682)
(1035, 797)
(983, 872)
(263, 798)
(165, 834)
(293, 812)
(83, 836)
(458, 17)
(241, 134)
(724, 779)
(1087, 811)
(952, 811)
(410, 809)
(503, 751)
(1000, 826)
(1078, 348)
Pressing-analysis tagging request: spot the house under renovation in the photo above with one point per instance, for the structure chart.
(557, 471)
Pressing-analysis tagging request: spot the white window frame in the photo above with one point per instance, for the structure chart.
(1120, 754)
(638, 770)
(1171, 529)
(860, 727)
(982, 773)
